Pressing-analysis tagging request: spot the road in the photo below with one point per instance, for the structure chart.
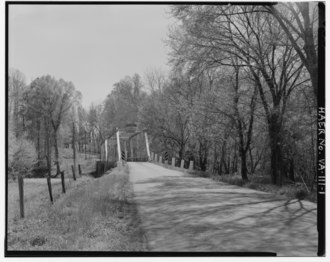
(184, 213)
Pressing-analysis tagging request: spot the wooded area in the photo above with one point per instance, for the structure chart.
(240, 98)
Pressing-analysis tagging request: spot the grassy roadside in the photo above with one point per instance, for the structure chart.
(36, 195)
(262, 183)
(97, 215)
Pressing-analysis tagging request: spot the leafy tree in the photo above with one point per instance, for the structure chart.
(122, 104)
(96, 126)
(16, 86)
(22, 155)
(50, 100)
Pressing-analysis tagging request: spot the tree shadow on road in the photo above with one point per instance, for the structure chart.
(194, 214)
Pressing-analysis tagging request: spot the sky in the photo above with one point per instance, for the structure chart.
(93, 46)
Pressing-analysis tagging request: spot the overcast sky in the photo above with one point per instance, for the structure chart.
(92, 46)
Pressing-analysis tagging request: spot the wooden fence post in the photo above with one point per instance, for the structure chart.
(73, 173)
(182, 163)
(191, 165)
(21, 195)
(50, 188)
(173, 161)
(79, 168)
(63, 182)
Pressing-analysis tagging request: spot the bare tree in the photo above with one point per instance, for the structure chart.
(155, 79)
(300, 22)
(211, 35)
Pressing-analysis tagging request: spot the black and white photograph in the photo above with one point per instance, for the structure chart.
(165, 129)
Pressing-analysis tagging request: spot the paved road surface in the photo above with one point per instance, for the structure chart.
(184, 213)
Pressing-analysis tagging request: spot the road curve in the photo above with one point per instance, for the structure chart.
(184, 213)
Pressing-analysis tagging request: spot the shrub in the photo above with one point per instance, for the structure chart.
(22, 155)
(301, 194)
(38, 171)
(252, 185)
(233, 180)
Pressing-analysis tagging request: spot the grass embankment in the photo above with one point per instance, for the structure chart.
(96, 215)
(263, 183)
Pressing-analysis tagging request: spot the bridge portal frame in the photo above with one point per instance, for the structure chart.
(126, 141)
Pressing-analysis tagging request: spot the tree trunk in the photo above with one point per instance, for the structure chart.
(222, 159)
(49, 160)
(57, 161)
(220, 167)
(314, 78)
(202, 156)
(94, 141)
(252, 169)
(242, 151)
(202, 163)
(137, 146)
(85, 146)
(215, 157)
(74, 146)
(16, 105)
(291, 170)
(181, 151)
(131, 149)
(275, 147)
(23, 124)
(243, 165)
(227, 166)
(234, 162)
(100, 149)
(38, 142)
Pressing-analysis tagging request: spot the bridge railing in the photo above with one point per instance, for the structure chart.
(137, 159)
(102, 167)
(174, 162)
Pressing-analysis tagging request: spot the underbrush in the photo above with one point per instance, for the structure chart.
(98, 216)
(87, 164)
(263, 183)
